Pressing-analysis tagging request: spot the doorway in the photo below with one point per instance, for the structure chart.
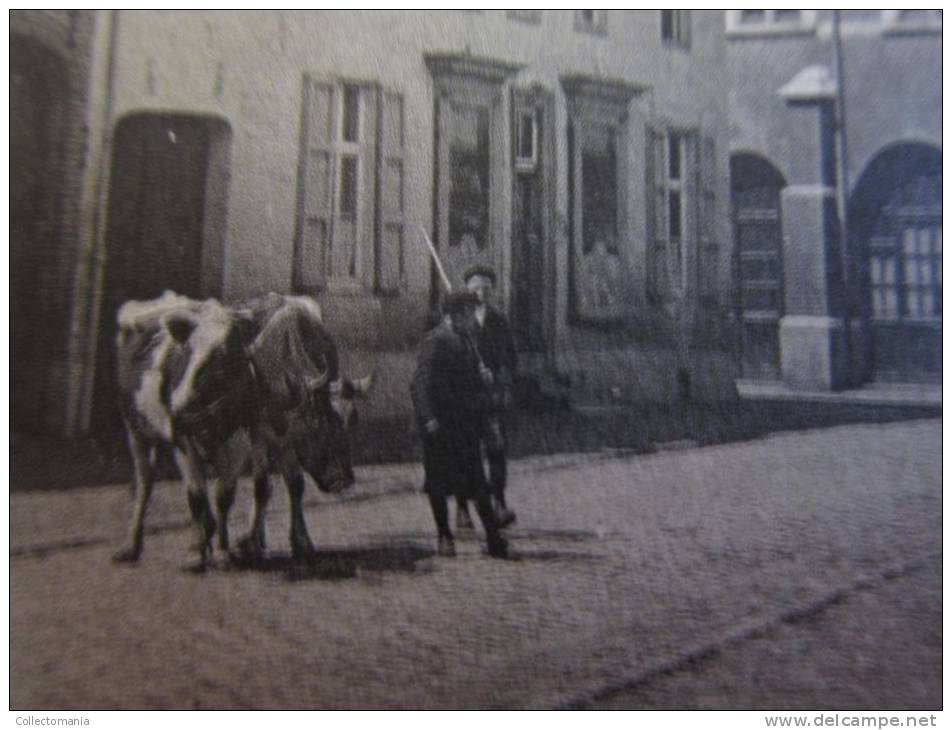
(758, 247)
(896, 222)
(165, 225)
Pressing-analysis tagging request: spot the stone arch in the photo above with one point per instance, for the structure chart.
(895, 224)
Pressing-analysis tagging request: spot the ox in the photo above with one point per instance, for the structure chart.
(227, 389)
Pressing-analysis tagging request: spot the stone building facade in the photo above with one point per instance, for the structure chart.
(582, 154)
(836, 164)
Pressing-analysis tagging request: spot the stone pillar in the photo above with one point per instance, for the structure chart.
(813, 347)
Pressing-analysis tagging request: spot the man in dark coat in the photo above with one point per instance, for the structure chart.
(496, 347)
(450, 400)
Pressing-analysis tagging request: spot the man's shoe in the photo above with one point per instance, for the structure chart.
(463, 520)
(505, 517)
(446, 548)
(498, 547)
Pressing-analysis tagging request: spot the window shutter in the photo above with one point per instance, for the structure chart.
(708, 253)
(390, 209)
(367, 218)
(691, 200)
(317, 170)
(656, 206)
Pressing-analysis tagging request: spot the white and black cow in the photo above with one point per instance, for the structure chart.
(228, 388)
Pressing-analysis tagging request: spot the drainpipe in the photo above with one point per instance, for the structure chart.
(87, 283)
(842, 190)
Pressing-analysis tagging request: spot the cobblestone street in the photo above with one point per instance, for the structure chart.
(624, 569)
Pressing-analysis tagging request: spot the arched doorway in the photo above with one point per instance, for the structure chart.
(38, 320)
(758, 262)
(896, 231)
(165, 225)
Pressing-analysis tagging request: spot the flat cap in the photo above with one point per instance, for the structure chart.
(480, 271)
(458, 302)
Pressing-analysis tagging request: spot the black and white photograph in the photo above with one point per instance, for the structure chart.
(484, 359)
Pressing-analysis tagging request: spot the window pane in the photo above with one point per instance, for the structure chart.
(469, 176)
(526, 137)
(891, 304)
(917, 16)
(528, 16)
(599, 189)
(351, 113)
(674, 156)
(667, 24)
(348, 187)
(875, 271)
(928, 303)
(860, 16)
(752, 16)
(911, 270)
(909, 241)
(674, 215)
(889, 271)
(787, 16)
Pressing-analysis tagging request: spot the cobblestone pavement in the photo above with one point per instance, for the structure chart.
(623, 567)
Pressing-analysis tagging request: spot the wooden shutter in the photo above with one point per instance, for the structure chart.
(708, 247)
(367, 217)
(691, 205)
(317, 182)
(391, 198)
(657, 214)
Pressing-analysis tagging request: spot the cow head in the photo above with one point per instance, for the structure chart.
(296, 363)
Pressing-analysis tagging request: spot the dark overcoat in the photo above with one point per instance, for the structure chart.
(446, 386)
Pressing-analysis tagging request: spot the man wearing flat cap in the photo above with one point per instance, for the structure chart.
(451, 401)
(496, 348)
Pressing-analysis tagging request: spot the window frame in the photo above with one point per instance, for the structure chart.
(770, 25)
(598, 26)
(680, 28)
(529, 17)
(321, 260)
(676, 252)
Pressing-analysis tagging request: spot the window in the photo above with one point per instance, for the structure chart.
(348, 234)
(770, 21)
(525, 16)
(683, 246)
(906, 273)
(527, 132)
(913, 20)
(591, 21)
(676, 27)
(599, 226)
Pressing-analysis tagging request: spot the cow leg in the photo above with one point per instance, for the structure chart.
(229, 462)
(252, 545)
(204, 522)
(301, 546)
(143, 461)
(224, 499)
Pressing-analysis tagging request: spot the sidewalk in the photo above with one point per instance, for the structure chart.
(640, 428)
